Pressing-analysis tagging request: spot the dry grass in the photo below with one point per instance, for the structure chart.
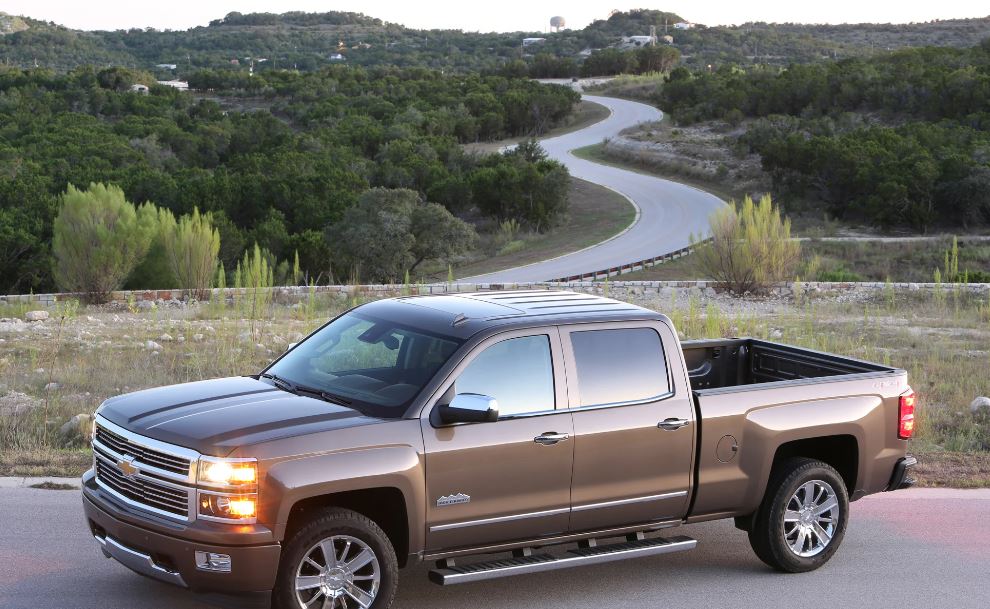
(940, 339)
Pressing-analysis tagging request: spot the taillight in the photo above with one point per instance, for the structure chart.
(905, 416)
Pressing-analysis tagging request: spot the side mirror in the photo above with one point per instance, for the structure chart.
(469, 408)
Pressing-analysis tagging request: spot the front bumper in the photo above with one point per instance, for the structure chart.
(166, 550)
(900, 478)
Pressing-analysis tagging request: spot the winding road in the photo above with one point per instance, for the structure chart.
(667, 212)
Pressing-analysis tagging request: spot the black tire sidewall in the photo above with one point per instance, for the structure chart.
(327, 524)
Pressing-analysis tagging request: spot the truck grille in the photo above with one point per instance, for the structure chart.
(148, 456)
(144, 473)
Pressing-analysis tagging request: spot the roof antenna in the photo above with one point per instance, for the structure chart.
(459, 319)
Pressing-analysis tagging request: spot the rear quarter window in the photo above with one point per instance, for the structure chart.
(619, 366)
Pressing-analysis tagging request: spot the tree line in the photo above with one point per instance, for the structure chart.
(895, 140)
(278, 166)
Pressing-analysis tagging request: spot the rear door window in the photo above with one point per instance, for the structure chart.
(619, 366)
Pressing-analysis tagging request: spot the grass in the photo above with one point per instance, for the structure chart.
(822, 260)
(636, 87)
(594, 214)
(939, 338)
(597, 154)
(585, 113)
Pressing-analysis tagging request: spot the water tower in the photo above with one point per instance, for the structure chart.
(557, 23)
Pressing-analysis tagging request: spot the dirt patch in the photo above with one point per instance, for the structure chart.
(952, 469)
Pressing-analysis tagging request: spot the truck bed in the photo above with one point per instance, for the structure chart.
(734, 362)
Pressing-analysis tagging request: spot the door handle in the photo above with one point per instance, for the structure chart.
(550, 438)
(672, 424)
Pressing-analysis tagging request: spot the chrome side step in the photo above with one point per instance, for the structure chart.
(575, 558)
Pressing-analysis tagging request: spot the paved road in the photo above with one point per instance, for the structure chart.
(668, 212)
(918, 548)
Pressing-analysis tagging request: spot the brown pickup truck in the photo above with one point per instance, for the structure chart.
(543, 429)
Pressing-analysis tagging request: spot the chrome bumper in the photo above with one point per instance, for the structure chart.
(138, 562)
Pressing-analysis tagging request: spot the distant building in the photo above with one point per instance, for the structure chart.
(667, 39)
(166, 66)
(235, 62)
(337, 57)
(683, 25)
(638, 40)
(139, 88)
(531, 41)
(181, 85)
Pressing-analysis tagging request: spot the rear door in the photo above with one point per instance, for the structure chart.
(509, 479)
(634, 425)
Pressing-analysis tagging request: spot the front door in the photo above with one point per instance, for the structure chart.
(510, 479)
(633, 425)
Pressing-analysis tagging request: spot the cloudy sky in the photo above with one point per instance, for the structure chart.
(500, 15)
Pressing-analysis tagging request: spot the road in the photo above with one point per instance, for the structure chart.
(668, 212)
(919, 548)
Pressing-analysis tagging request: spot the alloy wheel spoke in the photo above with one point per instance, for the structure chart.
(361, 597)
(829, 505)
(822, 534)
(316, 597)
(809, 493)
(307, 582)
(363, 558)
(792, 516)
(798, 545)
(329, 553)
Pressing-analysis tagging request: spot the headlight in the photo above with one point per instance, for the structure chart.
(228, 472)
(228, 489)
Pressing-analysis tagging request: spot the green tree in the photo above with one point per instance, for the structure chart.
(438, 234)
(98, 239)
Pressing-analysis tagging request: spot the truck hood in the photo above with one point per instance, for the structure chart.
(217, 416)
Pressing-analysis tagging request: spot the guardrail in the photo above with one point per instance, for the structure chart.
(631, 267)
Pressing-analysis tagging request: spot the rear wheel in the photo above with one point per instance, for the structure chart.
(339, 560)
(802, 519)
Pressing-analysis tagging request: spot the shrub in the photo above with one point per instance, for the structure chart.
(750, 247)
(258, 277)
(192, 246)
(99, 238)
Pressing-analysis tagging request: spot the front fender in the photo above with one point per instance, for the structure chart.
(398, 467)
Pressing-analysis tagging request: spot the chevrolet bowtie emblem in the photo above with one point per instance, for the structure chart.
(127, 468)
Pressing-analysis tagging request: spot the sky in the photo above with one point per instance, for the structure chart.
(498, 15)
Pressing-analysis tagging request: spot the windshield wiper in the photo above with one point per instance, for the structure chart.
(280, 382)
(286, 385)
(326, 396)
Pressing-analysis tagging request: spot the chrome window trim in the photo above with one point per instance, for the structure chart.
(497, 519)
(649, 400)
(621, 502)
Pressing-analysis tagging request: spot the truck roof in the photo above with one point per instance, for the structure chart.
(465, 314)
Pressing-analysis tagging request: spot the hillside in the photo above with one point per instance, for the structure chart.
(308, 41)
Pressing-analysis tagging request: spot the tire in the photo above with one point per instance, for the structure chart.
(812, 532)
(364, 572)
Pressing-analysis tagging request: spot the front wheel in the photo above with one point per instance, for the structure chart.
(802, 519)
(339, 560)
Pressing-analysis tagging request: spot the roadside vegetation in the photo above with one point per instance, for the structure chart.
(283, 175)
(51, 371)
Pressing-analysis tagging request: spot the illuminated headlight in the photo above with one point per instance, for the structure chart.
(228, 489)
(224, 472)
(228, 507)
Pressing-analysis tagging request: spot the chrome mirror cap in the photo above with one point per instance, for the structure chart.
(470, 408)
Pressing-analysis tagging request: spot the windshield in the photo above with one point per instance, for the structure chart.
(374, 365)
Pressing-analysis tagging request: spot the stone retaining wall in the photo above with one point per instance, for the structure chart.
(616, 289)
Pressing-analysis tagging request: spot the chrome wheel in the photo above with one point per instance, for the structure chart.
(338, 572)
(810, 518)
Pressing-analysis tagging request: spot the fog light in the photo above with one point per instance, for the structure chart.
(210, 561)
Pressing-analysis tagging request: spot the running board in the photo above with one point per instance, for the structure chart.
(575, 558)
